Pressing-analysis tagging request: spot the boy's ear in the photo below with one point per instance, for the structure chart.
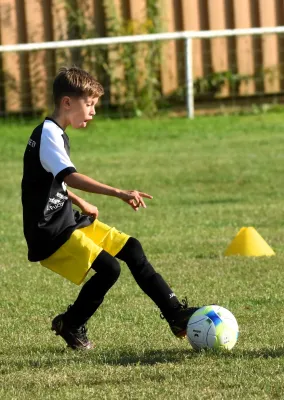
(65, 102)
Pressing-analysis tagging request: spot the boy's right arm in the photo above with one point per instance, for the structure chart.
(82, 182)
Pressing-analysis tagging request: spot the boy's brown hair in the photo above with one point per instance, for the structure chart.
(75, 82)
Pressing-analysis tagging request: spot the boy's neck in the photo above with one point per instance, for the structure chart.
(59, 119)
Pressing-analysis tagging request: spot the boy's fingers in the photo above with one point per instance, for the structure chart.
(142, 203)
(138, 201)
(148, 196)
(132, 204)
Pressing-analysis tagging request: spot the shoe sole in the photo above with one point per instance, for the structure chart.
(181, 335)
(57, 333)
(53, 328)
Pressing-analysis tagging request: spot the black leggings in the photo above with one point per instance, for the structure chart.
(107, 272)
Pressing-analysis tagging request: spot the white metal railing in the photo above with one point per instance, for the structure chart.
(186, 35)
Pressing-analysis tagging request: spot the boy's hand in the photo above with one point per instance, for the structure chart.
(89, 209)
(134, 198)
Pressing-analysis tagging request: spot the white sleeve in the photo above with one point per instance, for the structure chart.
(52, 154)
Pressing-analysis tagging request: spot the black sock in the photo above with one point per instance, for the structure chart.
(148, 279)
(92, 293)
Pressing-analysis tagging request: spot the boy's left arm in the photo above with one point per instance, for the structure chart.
(85, 207)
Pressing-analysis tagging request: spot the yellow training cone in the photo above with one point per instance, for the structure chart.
(248, 242)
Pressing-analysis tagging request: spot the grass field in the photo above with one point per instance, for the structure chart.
(208, 178)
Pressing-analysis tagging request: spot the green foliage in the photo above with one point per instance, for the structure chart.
(213, 83)
(129, 72)
(209, 87)
(134, 68)
(80, 26)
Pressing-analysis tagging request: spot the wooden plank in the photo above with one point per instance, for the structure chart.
(191, 21)
(37, 60)
(59, 17)
(117, 89)
(169, 72)
(219, 47)
(11, 61)
(257, 46)
(101, 58)
(74, 30)
(125, 9)
(2, 76)
(137, 11)
(204, 26)
(231, 41)
(270, 51)
(22, 36)
(50, 55)
(87, 8)
(16, 66)
(60, 32)
(244, 46)
(86, 29)
(280, 22)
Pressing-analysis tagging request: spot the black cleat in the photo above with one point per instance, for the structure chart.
(76, 338)
(178, 324)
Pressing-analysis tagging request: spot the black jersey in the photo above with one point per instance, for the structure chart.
(48, 217)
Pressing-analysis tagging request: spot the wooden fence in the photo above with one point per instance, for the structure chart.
(25, 77)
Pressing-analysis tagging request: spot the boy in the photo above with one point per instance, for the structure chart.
(71, 243)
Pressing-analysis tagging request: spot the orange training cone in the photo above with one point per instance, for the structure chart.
(248, 242)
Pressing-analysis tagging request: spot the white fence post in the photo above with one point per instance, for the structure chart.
(189, 78)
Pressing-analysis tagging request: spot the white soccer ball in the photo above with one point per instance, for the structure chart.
(212, 327)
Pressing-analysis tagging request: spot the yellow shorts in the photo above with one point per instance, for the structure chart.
(76, 256)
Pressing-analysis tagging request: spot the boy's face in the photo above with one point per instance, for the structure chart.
(80, 110)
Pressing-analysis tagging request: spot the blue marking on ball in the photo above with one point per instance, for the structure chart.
(214, 317)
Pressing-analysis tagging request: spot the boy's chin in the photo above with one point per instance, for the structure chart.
(81, 125)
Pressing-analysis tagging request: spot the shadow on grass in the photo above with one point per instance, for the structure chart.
(208, 256)
(266, 353)
(53, 357)
(148, 357)
(216, 201)
(40, 358)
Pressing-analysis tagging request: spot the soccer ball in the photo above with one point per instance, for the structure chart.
(212, 327)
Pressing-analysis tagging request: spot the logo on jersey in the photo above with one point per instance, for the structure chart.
(32, 143)
(56, 202)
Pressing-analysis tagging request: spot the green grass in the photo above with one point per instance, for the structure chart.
(208, 177)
